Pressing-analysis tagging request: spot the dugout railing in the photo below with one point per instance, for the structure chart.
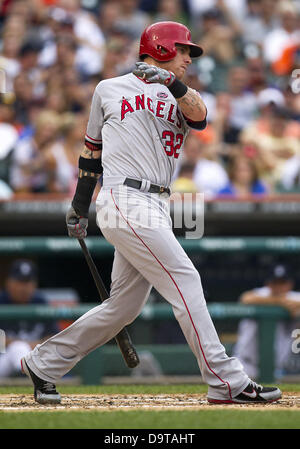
(91, 368)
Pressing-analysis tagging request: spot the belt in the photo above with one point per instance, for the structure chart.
(145, 186)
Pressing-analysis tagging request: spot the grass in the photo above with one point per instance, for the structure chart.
(202, 419)
(130, 389)
(147, 419)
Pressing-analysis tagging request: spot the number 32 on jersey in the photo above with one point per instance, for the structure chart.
(172, 143)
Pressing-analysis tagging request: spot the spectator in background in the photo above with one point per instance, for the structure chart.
(257, 75)
(243, 104)
(89, 37)
(170, 10)
(193, 79)
(278, 291)
(108, 16)
(292, 103)
(116, 59)
(8, 139)
(185, 183)
(243, 178)
(234, 109)
(260, 20)
(237, 8)
(217, 37)
(30, 171)
(209, 175)
(28, 58)
(62, 156)
(131, 20)
(267, 100)
(21, 335)
(12, 37)
(23, 92)
(273, 145)
(289, 181)
(286, 35)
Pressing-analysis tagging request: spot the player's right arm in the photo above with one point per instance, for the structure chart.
(89, 172)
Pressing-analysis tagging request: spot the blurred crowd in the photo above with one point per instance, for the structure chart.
(53, 53)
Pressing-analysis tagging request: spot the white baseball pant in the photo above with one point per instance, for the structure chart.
(146, 255)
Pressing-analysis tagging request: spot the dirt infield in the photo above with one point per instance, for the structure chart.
(107, 402)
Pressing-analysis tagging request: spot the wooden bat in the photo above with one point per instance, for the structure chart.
(122, 338)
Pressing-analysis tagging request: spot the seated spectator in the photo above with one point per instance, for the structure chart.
(131, 20)
(117, 51)
(30, 171)
(21, 335)
(185, 183)
(170, 10)
(284, 36)
(290, 176)
(194, 80)
(28, 58)
(267, 100)
(6, 192)
(243, 178)
(237, 7)
(8, 138)
(108, 15)
(234, 109)
(243, 104)
(277, 291)
(260, 20)
(257, 75)
(292, 103)
(63, 155)
(209, 175)
(12, 37)
(69, 19)
(23, 91)
(218, 37)
(273, 145)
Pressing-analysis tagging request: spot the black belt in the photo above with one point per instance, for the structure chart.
(153, 188)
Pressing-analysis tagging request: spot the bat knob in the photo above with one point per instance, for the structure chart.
(132, 358)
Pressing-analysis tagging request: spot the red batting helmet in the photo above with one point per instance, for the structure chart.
(158, 41)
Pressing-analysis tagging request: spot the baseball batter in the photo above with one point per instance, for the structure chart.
(135, 134)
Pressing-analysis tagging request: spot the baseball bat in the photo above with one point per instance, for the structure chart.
(122, 338)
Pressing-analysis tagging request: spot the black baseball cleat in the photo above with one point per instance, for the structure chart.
(44, 391)
(253, 393)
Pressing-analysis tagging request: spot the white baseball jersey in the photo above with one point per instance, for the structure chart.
(140, 126)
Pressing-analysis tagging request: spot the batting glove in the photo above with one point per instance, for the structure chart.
(154, 74)
(77, 225)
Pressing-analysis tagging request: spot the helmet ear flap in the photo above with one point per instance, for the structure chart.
(164, 52)
(161, 50)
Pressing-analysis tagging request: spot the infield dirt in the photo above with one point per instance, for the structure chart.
(25, 402)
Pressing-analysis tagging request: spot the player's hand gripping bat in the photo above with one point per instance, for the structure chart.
(122, 338)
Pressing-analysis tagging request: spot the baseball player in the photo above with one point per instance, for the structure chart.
(136, 130)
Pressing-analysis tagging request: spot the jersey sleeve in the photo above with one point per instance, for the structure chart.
(93, 137)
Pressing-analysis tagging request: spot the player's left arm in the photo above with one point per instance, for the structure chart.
(90, 170)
